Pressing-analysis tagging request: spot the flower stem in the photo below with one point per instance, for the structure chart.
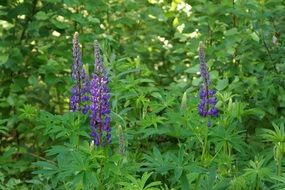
(198, 182)
(205, 146)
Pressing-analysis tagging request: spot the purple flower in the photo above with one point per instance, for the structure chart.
(80, 90)
(100, 112)
(207, 96)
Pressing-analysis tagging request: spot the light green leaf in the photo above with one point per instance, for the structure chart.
(222, 84)
(230, 32)
(41, 16)
(254, 36)
(193, 69)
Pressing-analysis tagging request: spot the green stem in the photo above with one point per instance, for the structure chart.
(230, 150)
(73, 136)
(203, 156)
(29, 19)
(257, 183)
(198, 182)
(78, 119)
(226, 147)
(279, 160)
(216, 154)
(205, 146)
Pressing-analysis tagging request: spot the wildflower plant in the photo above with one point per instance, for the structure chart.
(206, 107)
(207, 96)
(100, 112)
(80, 90)
(91, 95)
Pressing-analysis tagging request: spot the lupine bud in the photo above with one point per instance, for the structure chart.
(100, 112)
(80, 90)
(207, 96)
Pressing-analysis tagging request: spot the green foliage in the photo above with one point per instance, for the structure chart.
(257, 173)
(150, 50)
(140, 184)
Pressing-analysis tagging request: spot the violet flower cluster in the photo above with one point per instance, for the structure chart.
(207, 96)
(91, 96)
(79, 92)
(100, 112)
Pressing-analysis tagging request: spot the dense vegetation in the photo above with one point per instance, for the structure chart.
(151, 57)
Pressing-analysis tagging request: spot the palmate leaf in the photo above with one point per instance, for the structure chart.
(47, 168)
(145, 178)
(210, 179)
(280, 182)
(276, 135)
(179, 161)
(28, 112)
(147, 132)
(239, 110)
(85, 180)
(158, 162)
(238, 183)
(257, 171)
(71, 164)
(3, 130)
(122, 74)
(219, 136)
(151, 186)
(58, 149)
(140, 184)
(152, 120)
(184, 182)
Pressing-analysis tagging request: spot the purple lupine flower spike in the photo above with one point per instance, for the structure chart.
(100, 112)
(207, 96)
(80, 90)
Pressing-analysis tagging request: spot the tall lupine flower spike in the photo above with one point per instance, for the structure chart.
(80, 90)
(100, 112)
(207, 96)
